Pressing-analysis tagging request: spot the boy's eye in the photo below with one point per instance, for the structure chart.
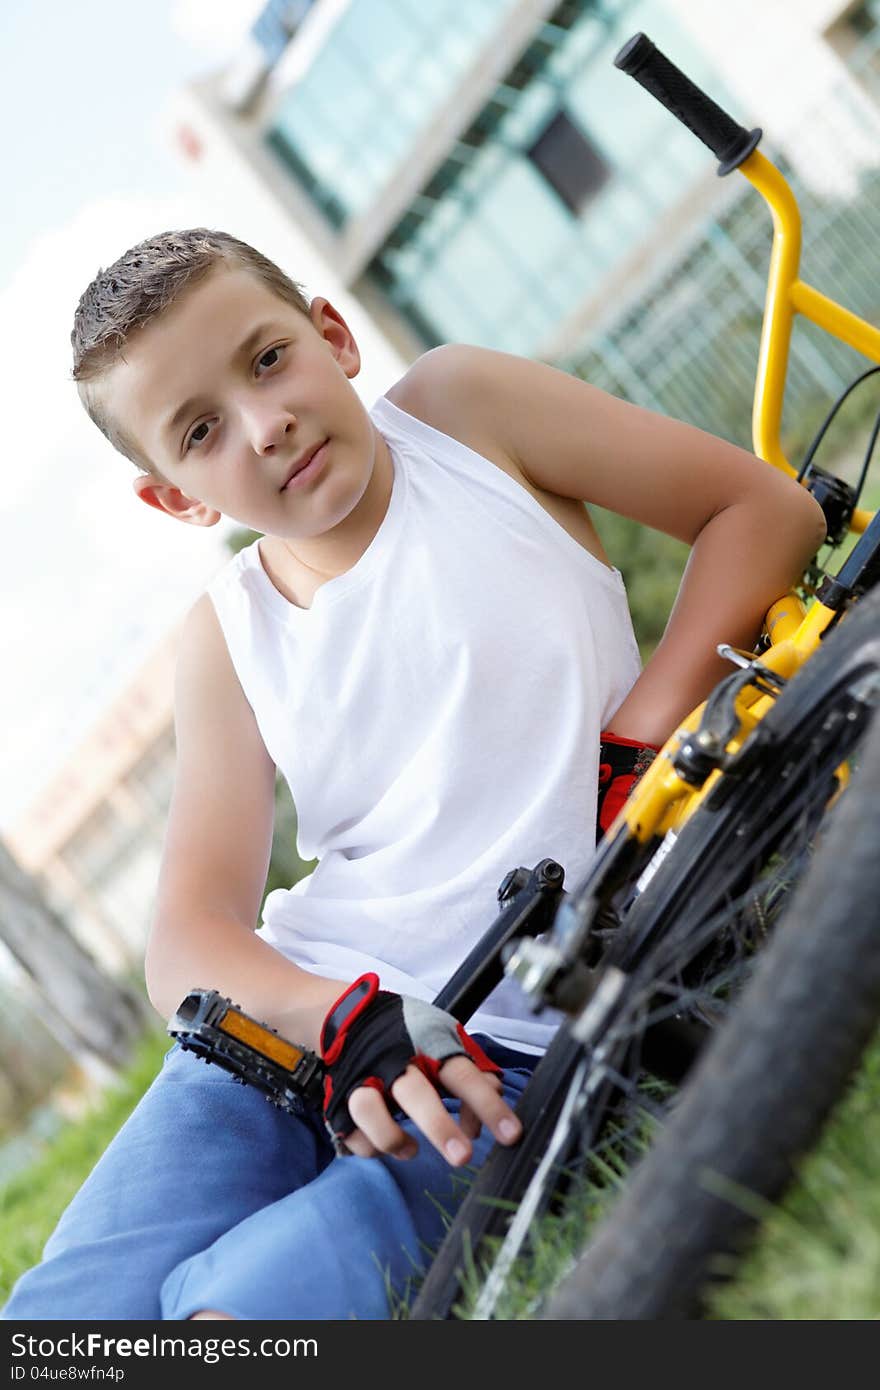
(270, 358)
(199, 434)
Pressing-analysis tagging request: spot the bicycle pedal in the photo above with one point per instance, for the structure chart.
(218, 1031)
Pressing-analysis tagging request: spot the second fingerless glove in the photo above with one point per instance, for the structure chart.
(622, 761)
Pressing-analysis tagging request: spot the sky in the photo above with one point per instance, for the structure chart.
(90, 579)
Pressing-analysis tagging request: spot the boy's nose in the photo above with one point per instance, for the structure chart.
(268, 431)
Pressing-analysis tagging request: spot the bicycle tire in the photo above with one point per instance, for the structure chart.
(759, 1097)
(504, 1179)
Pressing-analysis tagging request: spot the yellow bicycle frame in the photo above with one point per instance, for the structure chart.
(662, 800)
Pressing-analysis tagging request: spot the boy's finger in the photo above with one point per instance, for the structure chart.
(372, 1117)
(481, 1092)
(358, 1144)
(415, 1094)
(470, 1123)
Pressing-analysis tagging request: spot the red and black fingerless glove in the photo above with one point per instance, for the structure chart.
(621, 763)
(371, 1036)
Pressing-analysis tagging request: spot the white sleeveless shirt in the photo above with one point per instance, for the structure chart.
(436, 714)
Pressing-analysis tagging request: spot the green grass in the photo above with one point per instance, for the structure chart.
(818, 1257)
(32, 1201)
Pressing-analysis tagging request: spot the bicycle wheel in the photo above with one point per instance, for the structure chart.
(760, 1095)
(689, 938)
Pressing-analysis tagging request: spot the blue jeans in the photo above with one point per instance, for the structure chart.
(210, 1197)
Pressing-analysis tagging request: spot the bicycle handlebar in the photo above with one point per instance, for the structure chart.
(730, 142)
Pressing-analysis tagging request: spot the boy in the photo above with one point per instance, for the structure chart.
(427, 640)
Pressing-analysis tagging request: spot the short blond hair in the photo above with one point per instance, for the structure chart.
(140, 286)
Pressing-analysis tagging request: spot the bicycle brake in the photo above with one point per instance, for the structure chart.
(701, 751)
(218, 1031)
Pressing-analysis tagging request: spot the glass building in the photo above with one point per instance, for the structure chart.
(535, 179)
(481, 172)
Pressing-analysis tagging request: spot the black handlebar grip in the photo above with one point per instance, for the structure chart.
(730, 142)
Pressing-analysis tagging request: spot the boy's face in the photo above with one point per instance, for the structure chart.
(229, 393)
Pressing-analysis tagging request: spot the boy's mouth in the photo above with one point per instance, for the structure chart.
(307, 464)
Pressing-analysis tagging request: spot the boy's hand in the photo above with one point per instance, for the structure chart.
(622, 761)
(379, 1046)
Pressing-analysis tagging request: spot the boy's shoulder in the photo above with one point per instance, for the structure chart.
(449, 388)
(442, 386)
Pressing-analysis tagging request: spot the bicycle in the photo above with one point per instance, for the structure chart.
(753, 816)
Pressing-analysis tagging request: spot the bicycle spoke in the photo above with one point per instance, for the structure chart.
(536, 1196)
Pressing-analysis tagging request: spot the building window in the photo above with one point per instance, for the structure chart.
(856, 37)
(95, 844)
(863, 20)
(276, 25)
(154, 773)
(554, 181)
(570, 163)
(374, 90)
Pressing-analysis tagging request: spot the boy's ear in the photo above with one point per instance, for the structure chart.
(336, 333)
(166, 498)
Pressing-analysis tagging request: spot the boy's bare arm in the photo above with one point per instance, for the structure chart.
(216, 856)
(751, 529)
(211, 882)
